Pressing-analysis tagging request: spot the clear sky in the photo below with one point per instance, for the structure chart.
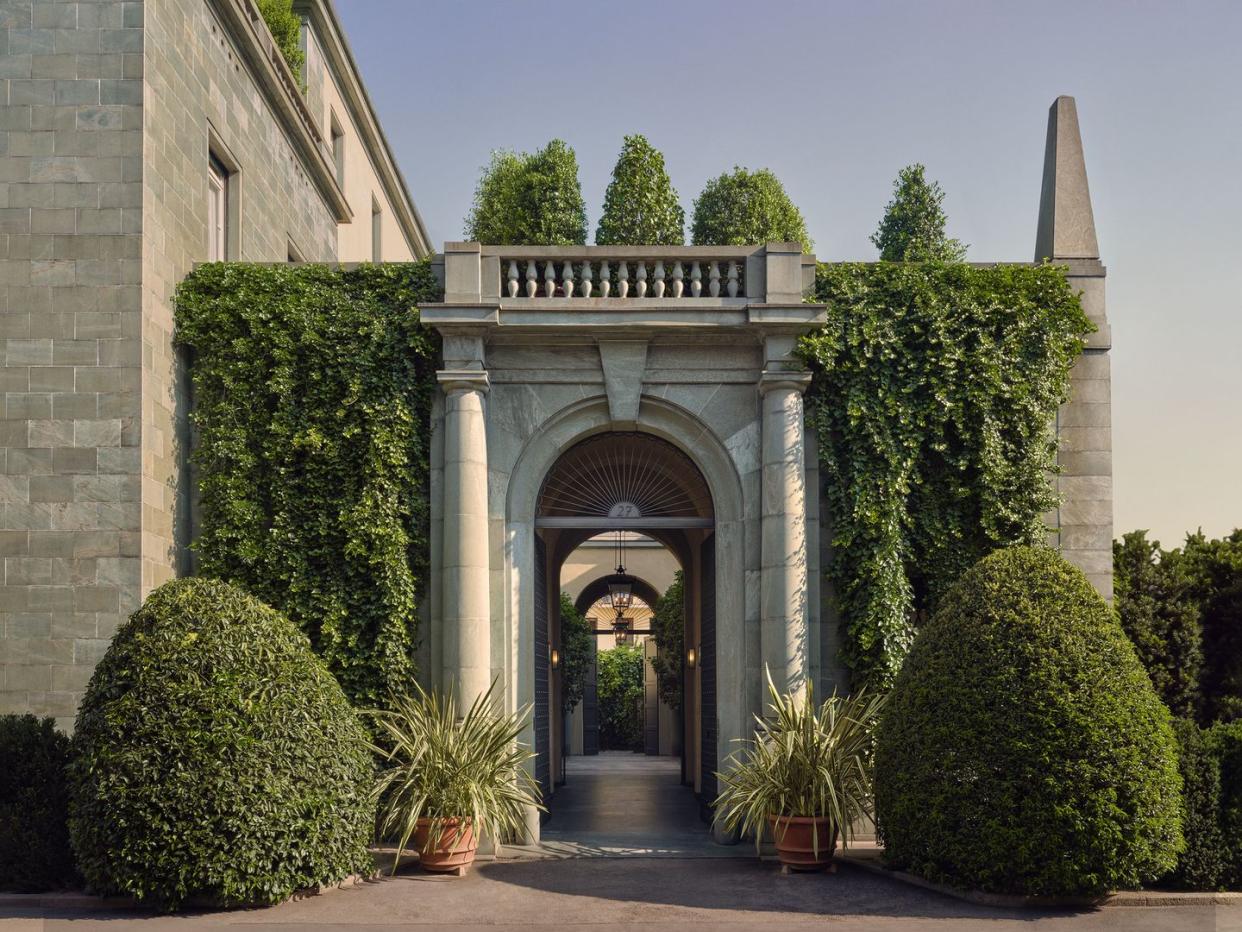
(835, 98)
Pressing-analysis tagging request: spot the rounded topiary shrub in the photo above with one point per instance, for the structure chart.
(1024, 750)
(216, 758)
(34, 802)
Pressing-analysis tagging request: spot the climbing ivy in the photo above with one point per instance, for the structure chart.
(311, 399)
(934, 397)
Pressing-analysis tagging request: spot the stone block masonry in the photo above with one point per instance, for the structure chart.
(70, 320)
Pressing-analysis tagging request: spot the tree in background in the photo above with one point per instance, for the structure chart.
(529, 199)
(619, 682)
(668, 626)
(1214, 568)
(912, 229)
(575, 652)
(640, 205)
(1152, 596)
(286, 29)
(743, 208)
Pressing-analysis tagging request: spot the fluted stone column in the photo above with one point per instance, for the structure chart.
(783, 578)
(465, 598)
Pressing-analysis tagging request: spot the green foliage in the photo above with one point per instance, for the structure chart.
(216, 757)
(529, 199)
(619, 685)
(1206, 861)
(744, 208)
(1214, 571)
(286, 28)
(668, 627)
(805, 760)
(1225, 741)
(34, 800)
(312, 393)
(640, 206)
(934, 396)
(438, 764)
(1152, 598)
(912, 229)
(576, 652)
(1024, 750)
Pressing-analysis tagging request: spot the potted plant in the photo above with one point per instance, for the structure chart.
(446, 780)
(806, 776)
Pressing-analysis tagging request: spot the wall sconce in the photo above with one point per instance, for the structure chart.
(556, 659)
(692, 658)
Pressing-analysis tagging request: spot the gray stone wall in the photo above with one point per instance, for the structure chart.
(71, 241)
(106, 110)
(200, 95)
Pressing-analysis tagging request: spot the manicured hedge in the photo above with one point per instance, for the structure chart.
(216, 757)
(1211, 764)
(312, 400)
(1024, 750)
(34, 799)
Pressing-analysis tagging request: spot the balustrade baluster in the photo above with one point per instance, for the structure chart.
(713, 282)
(696, 280)
(549, 278)
(586, 279)
(640, 279)
(567, 278)
(513, 278)
(605, 279)
(679, 285)
(623, 280)
(659, 278)
(532, 278)
(732, 279)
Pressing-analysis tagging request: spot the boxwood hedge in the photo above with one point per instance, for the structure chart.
(1024, 750)
(34, 837)
(216, 757)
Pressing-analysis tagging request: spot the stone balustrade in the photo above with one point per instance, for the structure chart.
(709, 275)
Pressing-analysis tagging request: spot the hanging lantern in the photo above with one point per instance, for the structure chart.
(620, 584)
(621, 627)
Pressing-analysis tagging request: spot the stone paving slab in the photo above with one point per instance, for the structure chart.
(642, 894)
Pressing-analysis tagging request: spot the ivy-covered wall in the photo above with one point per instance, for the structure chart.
(934, 397)
(311, 402)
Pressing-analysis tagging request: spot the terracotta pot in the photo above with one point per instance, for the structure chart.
(452, 852)
(795, 838)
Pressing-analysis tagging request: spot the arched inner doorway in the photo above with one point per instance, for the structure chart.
(649, 490)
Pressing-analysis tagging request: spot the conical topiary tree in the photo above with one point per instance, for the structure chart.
(742, 208)
(912, 229)
(640, 205)
(529, 199)
(1024, 750)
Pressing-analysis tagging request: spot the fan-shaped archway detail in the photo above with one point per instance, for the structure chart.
(625, 479)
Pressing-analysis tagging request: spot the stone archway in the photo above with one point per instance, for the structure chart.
(637, 481)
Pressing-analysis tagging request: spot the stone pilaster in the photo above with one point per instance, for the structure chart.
(465, 600)
(783, 571)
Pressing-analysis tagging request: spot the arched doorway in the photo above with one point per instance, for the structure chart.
(642, 484)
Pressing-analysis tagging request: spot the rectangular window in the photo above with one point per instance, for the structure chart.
(217, 211)
(376, 229)
(338, 151)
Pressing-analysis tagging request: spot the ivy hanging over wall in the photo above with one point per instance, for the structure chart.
(934, 397)
(312, 391)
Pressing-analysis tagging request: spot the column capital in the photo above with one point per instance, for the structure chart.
(772, 379)
(463, 380)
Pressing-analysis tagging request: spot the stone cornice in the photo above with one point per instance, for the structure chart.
(323, 18)
(245, 27)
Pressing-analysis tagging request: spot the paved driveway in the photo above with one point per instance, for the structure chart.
(649, 895)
